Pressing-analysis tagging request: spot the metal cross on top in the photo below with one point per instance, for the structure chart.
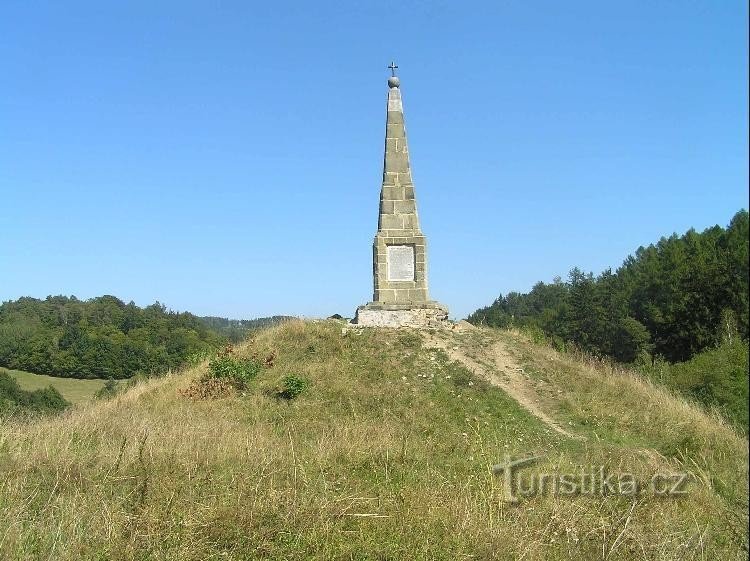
(393, 67)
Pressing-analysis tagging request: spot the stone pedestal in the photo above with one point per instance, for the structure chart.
(429, 315)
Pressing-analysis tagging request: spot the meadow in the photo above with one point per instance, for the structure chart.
(387, 454)
(74, 390)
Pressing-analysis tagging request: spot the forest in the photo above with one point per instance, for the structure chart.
(669, 303)
(98, 338)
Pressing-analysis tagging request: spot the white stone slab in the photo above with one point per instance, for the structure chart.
(400, 259)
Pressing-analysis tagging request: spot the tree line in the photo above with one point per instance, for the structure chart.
(667, 303)
(671, 299)
(98, 338)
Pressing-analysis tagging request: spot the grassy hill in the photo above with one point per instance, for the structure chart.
(73, 389)
(388, 454)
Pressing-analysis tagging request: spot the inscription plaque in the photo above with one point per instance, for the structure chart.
(400, 262)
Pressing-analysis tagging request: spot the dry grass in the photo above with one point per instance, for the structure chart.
(386, 456)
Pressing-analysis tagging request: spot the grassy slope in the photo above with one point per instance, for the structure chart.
(373, 462)
(72, 389)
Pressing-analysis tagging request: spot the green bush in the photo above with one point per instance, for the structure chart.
(536, 334)
(716, 378)
(559, 344)
(239, 371)
(292, 386)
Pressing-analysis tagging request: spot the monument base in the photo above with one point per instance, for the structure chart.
(428, 315)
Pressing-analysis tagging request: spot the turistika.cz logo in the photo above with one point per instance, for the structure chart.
(588, 481)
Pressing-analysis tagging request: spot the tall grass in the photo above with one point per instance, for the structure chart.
(385, 455)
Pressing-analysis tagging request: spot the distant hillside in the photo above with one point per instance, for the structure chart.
(106, 338)
(383, 450)
(98, 338)
(671, 299)
(237, 330)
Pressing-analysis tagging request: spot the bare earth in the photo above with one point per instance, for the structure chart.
(494, 362)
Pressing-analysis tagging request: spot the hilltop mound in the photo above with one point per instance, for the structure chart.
(387, 454)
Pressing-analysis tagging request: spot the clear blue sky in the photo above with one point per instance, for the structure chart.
(225, 157)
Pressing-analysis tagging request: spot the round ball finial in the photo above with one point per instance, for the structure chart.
(394, 82)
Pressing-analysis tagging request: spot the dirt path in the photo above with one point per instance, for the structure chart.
(496, 365)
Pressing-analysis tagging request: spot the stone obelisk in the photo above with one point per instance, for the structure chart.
(400, 296)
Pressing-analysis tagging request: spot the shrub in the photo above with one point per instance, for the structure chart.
(292, 386)
(239, 371)
(109, 389)
(716, 378)
(559, 344)
(536, 334)
(226, 374)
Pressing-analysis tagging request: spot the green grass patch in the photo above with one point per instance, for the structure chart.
(72, 389)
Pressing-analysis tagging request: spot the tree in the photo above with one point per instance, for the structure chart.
(101, 337)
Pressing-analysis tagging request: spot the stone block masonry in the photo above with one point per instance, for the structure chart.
(400, 294)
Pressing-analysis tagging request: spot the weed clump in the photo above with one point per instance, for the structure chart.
(239, 371)
(292, 386)
(227, 373)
